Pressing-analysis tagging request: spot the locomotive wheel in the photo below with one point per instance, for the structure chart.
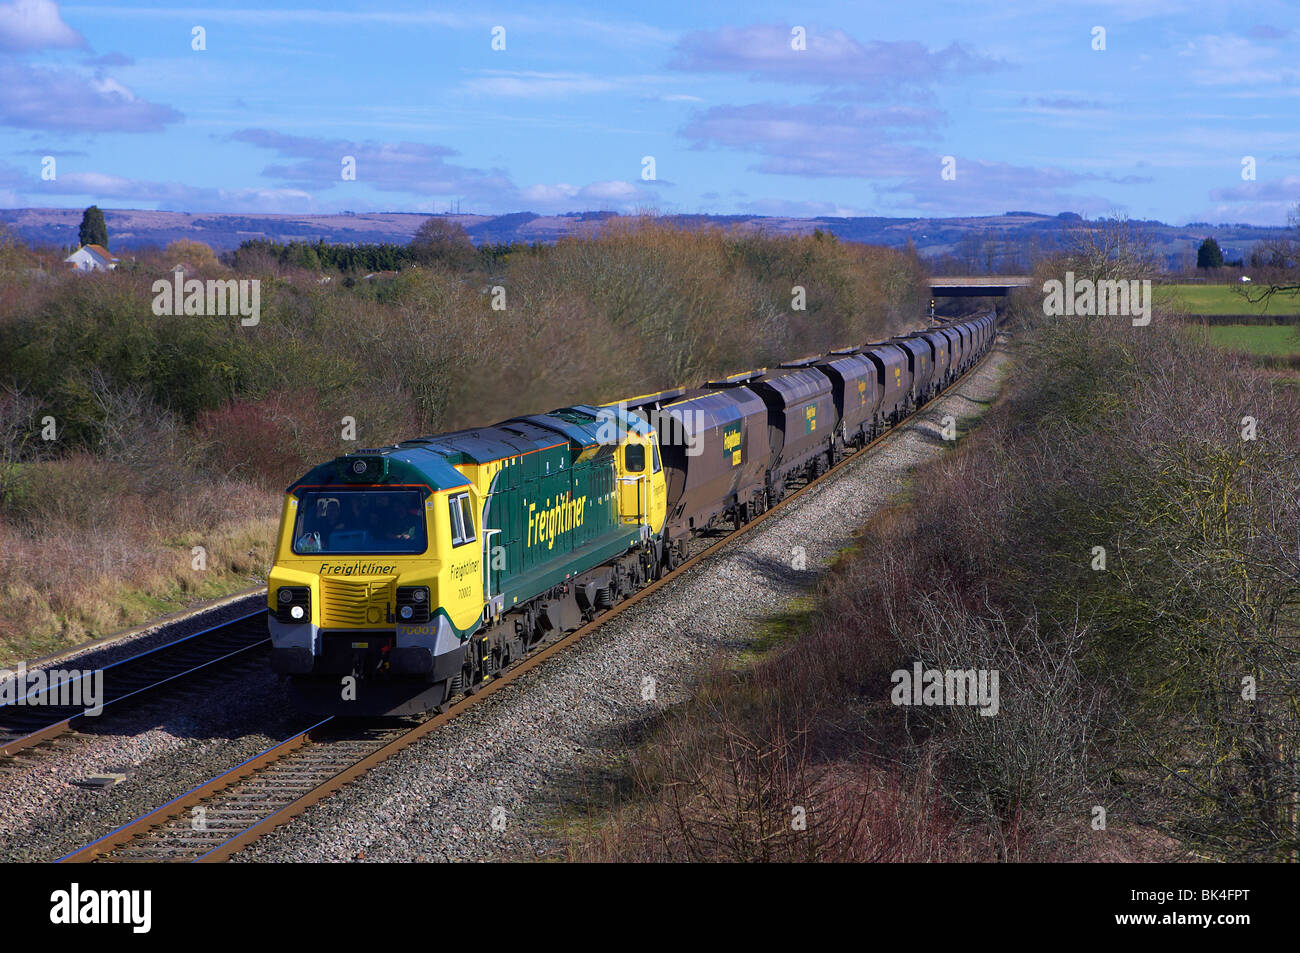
(450, 689)
(471, 673)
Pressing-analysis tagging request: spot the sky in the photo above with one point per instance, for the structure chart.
(1179, 111)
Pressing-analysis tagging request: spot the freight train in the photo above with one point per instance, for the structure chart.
(408, 574)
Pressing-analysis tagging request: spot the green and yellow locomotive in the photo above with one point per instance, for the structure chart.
(406, 574)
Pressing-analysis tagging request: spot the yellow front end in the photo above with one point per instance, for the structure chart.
(347, 599)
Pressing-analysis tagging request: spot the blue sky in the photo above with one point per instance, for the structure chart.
(738, 121)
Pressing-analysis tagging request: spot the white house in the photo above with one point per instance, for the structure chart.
(91, 258)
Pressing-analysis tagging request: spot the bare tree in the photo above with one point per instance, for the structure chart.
(1111, 249)
(440, 240)
(1283, 262)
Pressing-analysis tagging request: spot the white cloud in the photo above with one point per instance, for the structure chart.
(1231, 60)
(534, 85)
(612, 190)
(35, 25)
(832, 58)
(62, 99)
(563, 196)
(793, 208)
(111, 87)
(1286, 190)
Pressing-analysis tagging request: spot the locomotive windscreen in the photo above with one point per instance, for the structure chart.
(389, 522)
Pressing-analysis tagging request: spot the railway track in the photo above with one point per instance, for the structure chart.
(38, 717)
(217, 819)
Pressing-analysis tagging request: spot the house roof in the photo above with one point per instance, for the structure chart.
(98, 251)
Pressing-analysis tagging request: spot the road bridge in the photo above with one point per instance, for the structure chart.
(976, 286)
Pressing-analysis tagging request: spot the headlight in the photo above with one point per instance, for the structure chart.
(293, 604)
(413, 603)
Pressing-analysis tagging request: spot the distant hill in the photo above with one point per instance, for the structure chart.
(932, 237)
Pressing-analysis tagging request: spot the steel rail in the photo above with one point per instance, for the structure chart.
(30, 705)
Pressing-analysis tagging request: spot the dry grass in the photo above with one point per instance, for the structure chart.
(100, 554)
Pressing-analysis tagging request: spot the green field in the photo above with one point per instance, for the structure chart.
(1223, 299)
(1263, 340)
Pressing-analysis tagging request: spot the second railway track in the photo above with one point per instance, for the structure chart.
(37, 717)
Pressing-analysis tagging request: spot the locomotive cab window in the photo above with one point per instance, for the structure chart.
(634, 458)
(654, 449)
(360, 521)
(462, 520)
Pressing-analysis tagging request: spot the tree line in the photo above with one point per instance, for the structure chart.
(436, 242)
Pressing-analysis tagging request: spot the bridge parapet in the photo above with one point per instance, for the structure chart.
(977, 286)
